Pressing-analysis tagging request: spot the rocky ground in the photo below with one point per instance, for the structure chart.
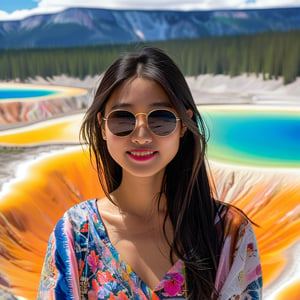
(208, 89)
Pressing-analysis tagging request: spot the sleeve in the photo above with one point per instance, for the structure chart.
(59, 277)
(242, 277)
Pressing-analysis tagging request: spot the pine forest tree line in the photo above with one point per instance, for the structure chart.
(273, 54)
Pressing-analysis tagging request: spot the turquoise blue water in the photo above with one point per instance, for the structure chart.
(10, 93)
(254, 138)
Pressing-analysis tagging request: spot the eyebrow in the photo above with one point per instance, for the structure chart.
(121, 105)
(161, 104)
(155, 104)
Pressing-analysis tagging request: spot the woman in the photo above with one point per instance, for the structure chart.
(158, 233)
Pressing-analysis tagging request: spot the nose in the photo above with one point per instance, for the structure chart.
(141, 134)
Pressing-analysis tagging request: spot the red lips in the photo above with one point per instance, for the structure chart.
(141, 154)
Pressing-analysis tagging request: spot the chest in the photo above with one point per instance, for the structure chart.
(146, 252)
(132, 267)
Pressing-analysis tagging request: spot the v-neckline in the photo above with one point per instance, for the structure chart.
(178, 265)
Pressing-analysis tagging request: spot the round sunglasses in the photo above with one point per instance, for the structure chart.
(161, 122)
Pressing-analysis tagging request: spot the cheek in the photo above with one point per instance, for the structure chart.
(172, 146)
(114, 146)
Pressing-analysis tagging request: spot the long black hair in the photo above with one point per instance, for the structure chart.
(190, 204)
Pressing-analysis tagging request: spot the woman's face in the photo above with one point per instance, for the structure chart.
(141, 153)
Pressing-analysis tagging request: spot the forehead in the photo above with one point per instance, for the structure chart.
(138, 94)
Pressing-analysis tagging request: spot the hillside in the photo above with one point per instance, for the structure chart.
(87, 26)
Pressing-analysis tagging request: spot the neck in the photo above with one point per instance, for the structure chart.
(139, 196)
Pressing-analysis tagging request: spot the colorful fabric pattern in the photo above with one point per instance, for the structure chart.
(81, 263)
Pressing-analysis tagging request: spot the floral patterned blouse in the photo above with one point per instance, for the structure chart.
(82, 263)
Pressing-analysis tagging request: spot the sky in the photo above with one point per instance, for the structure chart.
(19, 9)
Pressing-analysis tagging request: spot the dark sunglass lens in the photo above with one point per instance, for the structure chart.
(121, 123)
(162, 122)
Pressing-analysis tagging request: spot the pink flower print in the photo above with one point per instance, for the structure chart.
(258, 270)
(95, 217)
(122, 296)
(112, 297)
(80, 267)
(104, 277)
(254, 274)
(94, 262)
(95, 286)
(173, 284)
(92, 294)
(85, 227)
(250, 248)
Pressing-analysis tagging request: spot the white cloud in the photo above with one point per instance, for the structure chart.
(51, 6)
(168, 4)
(21, 14)
(3, 15)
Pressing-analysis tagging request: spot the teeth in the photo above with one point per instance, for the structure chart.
(146, 153)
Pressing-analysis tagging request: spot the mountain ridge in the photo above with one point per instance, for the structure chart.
(93, 26)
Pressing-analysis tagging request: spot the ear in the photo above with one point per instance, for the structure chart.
(102, 125)
(184, 128)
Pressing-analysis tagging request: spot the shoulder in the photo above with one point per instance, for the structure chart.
(81, 209)
(77, 215)
(239, 270)
(231, 215)
(233, 222)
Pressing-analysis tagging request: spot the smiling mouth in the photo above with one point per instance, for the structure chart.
(141, 155)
